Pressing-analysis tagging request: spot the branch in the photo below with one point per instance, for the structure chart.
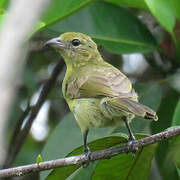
(17, 128)
(21, 136)
(80, 159)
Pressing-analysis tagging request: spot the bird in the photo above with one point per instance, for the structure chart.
(97, 93)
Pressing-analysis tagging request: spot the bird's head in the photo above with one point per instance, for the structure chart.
(75, 48)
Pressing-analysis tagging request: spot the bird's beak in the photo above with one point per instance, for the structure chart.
(55, 43)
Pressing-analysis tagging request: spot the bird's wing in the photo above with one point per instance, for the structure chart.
(106, 82)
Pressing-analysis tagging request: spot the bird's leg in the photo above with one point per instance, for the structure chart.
(87, 151)
(131, 136)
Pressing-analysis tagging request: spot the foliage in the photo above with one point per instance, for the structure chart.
(118, 27)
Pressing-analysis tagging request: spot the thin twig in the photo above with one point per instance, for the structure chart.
(17, 128)
(80, 159)
(19, 140)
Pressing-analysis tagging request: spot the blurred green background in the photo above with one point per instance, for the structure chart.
(139, 37)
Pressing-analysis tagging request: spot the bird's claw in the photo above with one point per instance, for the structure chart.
(87, 154)
(130, 141)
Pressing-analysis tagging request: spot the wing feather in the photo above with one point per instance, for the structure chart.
(107, 82)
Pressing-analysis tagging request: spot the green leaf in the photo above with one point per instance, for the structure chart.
(135, 3)
(163, 12)
(149, 94)
(176, 116)
(66, 137)
(116, 164)
(174, 144)
(172, 160)
(59, 9)
(165, 114)
(86, 173)
(125, 167)
(178, 171)
(3, 4)
(176, 6)
(173, 151)
(38, 159)
(124, 34)
(99, 144)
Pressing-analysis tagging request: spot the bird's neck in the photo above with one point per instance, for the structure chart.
(80, 62)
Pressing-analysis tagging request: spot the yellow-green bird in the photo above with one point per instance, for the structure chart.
(97, 93)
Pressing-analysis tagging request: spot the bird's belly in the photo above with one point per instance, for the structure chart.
(88, 113)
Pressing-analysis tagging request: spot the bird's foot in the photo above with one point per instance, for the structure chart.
(87, 154)
(130, 141)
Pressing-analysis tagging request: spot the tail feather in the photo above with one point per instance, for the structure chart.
(128, 105)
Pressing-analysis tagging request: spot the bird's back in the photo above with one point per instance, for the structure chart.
(97, 80)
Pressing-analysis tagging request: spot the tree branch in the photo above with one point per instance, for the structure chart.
(17, 128)
(21, 136)
(106, 153)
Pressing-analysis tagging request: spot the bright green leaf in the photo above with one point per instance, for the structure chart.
(120, 32)
(135, 3)
(38, 159)
(3, 4)
(176, 116)
(163, 12)
(59, 9)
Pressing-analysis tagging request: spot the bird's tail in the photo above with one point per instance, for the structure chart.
(130, 106)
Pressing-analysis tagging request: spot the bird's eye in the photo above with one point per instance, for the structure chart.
(76, 42)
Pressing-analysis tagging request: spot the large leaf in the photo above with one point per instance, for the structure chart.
(122, 166)
(135, 3)
(64, 172)
(66, 137)
(163, 12)
(174, 144)
(86, 173)
(173, 151)
(119, 32)
(125, 167)
(165, 114)
(59, 9)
